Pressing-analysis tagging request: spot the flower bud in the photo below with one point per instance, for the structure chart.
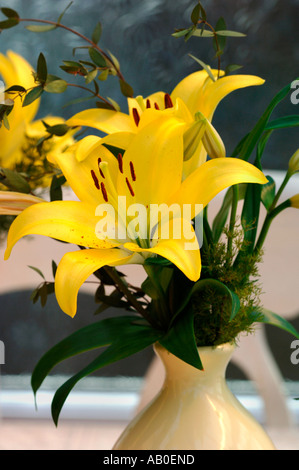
(294, 200)
(294, 162)
(213, 142)
(193, 137)
(13, 203)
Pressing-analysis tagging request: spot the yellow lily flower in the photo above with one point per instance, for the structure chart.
(13, 203)
(15, 70)
(195, 93)
(149, 174)
(18, 144)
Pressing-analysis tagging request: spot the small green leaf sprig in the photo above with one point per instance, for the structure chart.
(97, 68)
(202, 28)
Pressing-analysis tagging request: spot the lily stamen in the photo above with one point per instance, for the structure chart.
(130, 187)
(168, 101)
(132, 171)
(120, 162)
(156, 106)
(136, 116)
(104, 192)
(148, 103)
(95, 179)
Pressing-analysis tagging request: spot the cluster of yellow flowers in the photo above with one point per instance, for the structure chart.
(163, 144)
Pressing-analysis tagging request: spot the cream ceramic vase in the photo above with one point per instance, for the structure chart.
(195, 410)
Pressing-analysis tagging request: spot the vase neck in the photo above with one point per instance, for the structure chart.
(214, 361)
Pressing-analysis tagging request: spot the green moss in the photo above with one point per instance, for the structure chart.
(212, 311)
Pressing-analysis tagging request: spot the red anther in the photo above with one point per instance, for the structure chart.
(136, 116)
(104, 192)
(95, 179)
(156, 106)
(120, 162)
(148, 103)
(130, 187)
(132, 171)
(100, 170)
(168, 101)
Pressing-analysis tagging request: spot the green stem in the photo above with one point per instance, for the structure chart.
(232, 222)
(90, 91)
(95, 46)
(280, 190)
(161, 303)
(268, 220)
(123, 288)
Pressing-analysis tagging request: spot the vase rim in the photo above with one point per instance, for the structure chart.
(228, 346)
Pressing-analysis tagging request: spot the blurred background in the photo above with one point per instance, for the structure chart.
(139, 34)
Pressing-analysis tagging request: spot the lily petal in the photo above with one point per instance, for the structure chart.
(156, 151)
(83, 264)
(70, 221)
(188, 261)
(214, 92)
(201, 186)
(105, 120)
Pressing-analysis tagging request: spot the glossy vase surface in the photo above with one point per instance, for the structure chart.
(195, 410)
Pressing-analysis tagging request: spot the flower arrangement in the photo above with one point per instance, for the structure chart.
(141, 196)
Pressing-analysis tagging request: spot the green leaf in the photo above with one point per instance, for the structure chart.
(205, 66)
(220, 26)
(232, 68)
(228, 33)
(203, 33)
(37, 270)
(124, 336)
(33, 95)
(92, 75)
(249, 219)
(54, 268)
(56, 86)
(14, 181)
(61, 14)
(248, 143)
(284, 122)
(10, 23)
(221, 217)
(97, 57)
(97, 33)
(182, 32)
(96, 335)
(180, 340)
(113, 102)
(42, 71)
(15, 88)
(9, 13)
(36, 28)
(57, 129)
(272, 318)
(55, 188)
(126, 89)
(268, 193)
(195, 14)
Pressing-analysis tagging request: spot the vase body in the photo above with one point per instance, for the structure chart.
(195, 410)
